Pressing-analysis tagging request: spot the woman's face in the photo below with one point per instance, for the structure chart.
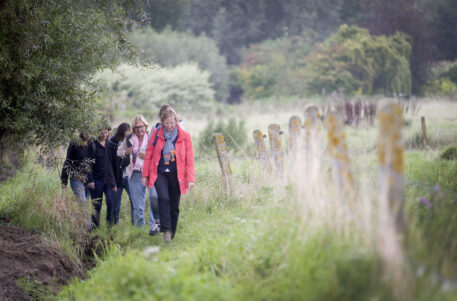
(170, 124)
(126, 133)
(103, 135)
(139, 129)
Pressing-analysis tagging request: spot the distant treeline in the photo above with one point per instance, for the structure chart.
(237, 24)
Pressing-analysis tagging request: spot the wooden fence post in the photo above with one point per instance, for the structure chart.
(339, 151)
(274, 132)
(424, 131)
(294, 133)
(224, 161)
(390, 152)
(311, 125)
(261, 150)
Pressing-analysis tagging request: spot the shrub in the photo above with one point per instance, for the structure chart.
(273, 67)
(443, 79)
(184, 86)
(234, 134)
(49, 51)
(449, 153)
(353, 60)
(169, 49)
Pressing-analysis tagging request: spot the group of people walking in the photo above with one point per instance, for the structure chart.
(136, 158)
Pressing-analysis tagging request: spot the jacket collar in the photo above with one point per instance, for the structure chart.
(180, 131)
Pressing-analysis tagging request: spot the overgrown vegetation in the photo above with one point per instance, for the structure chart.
(48, 54)
(185, 86)
(170, 49)
(267, 239)
(355, 62)
(233, 131)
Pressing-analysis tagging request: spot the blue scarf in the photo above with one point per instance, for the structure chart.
(169, 148)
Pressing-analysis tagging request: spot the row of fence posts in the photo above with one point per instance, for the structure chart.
(390, 152)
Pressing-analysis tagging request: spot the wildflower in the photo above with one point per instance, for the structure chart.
(436, 188)
(426, 202)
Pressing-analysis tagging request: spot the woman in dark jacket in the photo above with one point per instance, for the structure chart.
(96, 151)
(77, 168)
(114, 172)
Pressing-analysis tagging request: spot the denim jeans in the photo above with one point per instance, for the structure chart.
(167, 187)
(97, 200)
(153, 206)
(116, 197)
(138, 195)
(125, 185)
(82, 193)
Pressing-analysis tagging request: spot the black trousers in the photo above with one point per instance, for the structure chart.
(167, 187)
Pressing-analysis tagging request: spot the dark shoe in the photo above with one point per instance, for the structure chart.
(154, 230)
(167, 236)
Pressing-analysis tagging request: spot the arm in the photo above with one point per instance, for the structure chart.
(148, 156)
(64, 175)
(109, 163)
(91, 156)
(122, 149)
(190, 167)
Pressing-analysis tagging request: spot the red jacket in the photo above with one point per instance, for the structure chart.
(184, 158)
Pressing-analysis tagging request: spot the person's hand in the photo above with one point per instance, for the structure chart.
(64, 186)
(190, 185)
(141, 155)
(114, 188)
(91, 185)
(144, 181)
(129, 150)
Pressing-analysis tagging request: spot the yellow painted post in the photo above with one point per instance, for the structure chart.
(274, 132)
(261, 150)
(339, 151)
(294, 133)
(224, 161)
(390, 152)
(424, 130)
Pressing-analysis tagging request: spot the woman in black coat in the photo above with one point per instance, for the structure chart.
(114, 171)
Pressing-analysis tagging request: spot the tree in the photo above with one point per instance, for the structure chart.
(389, 16)
(49, 51)
(164, 13)
(235, 24)
(354, 61)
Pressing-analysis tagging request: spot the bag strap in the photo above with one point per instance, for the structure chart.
(156, 137)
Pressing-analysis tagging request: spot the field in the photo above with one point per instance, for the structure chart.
(275, 236)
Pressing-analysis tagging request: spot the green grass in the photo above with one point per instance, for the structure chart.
(272, 239)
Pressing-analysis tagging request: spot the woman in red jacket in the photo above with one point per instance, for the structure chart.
(169, 166)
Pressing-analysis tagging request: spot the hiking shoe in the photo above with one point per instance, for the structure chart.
(154, 230)
(167, 236)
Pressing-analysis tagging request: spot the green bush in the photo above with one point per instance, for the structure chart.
(184, 86)
(234, 134)
(354, 61)
(432, 213)
(49, 51)
(449, 153)
(273, 67)
(443, 79)
(169, 49)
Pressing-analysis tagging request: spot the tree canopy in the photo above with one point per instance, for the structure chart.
(49, 51)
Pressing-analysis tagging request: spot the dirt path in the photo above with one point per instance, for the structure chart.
(26, 257)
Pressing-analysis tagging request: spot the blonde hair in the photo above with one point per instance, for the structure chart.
(139, 118)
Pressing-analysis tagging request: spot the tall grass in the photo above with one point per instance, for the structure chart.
(33, 199)
(286, 237)
(272, 238)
